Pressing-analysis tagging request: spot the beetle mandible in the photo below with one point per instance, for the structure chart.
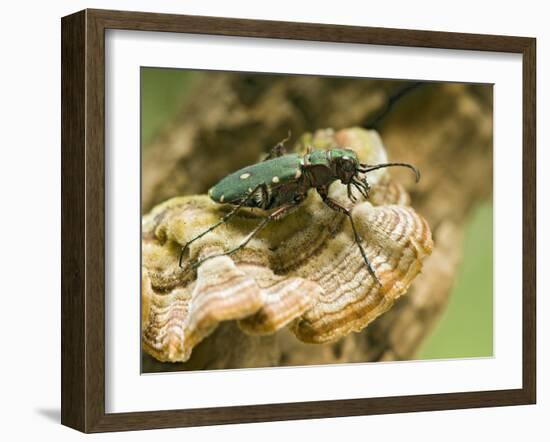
(280, 183)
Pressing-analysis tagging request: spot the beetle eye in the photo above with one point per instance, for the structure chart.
(348, 166)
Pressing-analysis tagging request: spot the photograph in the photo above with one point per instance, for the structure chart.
(271, 221)
(296, 220)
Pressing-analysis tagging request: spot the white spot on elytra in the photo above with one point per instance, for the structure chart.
(298, 174)
(222, 198)
(244, 176)
(345, 157)
(250, 189)
(275, 179)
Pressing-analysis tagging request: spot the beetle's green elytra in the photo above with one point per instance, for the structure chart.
(281, 183)
(236, 186)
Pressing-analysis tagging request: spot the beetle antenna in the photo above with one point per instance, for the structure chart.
(365, 168)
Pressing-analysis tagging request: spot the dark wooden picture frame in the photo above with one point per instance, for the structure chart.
(83, 220)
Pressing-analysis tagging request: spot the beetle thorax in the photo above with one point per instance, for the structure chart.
(323, 167)
(318, 175)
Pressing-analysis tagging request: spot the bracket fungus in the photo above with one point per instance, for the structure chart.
(304, 271)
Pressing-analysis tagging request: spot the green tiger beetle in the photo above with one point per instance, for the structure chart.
(280, 183)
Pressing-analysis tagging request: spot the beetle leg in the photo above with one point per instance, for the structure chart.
(334, 205)
(225, 218)
(279, 149)
(277, 214)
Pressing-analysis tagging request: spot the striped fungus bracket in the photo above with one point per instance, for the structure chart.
(321, 271)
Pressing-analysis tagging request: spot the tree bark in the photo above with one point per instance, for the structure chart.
(231, 120)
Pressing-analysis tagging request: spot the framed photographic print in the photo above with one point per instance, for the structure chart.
(270, 220)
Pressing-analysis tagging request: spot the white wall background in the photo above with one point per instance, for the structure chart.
(30, 221)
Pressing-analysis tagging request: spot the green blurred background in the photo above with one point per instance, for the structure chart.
(466, 327)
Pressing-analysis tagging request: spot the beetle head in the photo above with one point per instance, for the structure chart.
(347, 168)
(344, 164)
